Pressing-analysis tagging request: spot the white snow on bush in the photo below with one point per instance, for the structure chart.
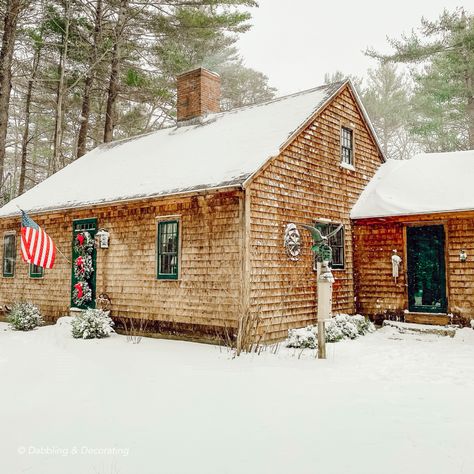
(24, 316)
(396, 189)
(342, 326)
(92, 324)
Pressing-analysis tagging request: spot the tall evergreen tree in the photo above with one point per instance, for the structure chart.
(443, 104)
(386, 98)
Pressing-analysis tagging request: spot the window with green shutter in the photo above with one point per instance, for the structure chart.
(9, 254)
(168, 250)
(36, 271)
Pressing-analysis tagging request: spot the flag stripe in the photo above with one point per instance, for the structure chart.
(37, 247)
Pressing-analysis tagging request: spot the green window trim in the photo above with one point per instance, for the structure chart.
(336, 242)
(36, 271)
(9, 255)
(167, 250)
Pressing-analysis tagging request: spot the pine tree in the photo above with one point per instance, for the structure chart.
(387, 101)
(443, 104)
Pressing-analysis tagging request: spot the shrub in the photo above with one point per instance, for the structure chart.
(303, 338)
(364, 325)
(333, 332)
(92, 324)
(342, 326)
(24, 316)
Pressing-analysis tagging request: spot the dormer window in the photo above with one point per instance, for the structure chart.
(347, 147)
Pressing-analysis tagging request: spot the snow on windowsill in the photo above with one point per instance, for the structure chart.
(347, 166)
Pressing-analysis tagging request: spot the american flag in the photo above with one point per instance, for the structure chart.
(37, 247)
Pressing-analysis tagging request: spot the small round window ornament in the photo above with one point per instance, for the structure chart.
(292, 242)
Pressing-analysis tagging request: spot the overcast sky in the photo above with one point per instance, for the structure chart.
(295, 42)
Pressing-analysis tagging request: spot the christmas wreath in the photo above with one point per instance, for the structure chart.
(82, 293)
(83, 267)
(84, 244)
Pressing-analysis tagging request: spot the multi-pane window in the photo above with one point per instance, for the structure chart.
(168, 250)
(347, 149)
(336, 242)
(36, 271)
(9, 255)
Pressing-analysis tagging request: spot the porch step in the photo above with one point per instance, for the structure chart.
(435, 319)
(421, 328)
(75, 311)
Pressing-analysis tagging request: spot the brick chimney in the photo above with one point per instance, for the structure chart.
(199, 93)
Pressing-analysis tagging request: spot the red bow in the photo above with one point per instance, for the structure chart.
(80, 264)
(78, 287)
(80, 239)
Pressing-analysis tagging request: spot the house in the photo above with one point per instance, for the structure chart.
(424, 209)
(203, 216)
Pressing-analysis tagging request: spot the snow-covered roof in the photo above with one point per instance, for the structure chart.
(224, 150)
(428, 183)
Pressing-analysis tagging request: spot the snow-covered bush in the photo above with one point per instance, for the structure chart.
(333, 331)
(342, 326)
(347, 325)
(92, 324)
(303, 338)
(24, 316)
(364, 325)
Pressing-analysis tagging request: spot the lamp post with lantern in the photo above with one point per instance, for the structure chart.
(325, 280)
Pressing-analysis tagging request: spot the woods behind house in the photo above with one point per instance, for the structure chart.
(78, 73)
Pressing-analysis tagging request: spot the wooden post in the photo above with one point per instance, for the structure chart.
(325, 281)
(321, 340)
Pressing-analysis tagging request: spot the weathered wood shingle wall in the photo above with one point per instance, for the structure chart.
(374, 240)
(206, 297)
(304, 183)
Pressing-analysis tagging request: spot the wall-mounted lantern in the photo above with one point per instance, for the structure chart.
(103, 235)
(462, 256)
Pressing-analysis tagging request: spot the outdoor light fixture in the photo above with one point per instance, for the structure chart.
(103, 235)
(462, 256)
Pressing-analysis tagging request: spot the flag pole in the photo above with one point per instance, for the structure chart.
(65, 258)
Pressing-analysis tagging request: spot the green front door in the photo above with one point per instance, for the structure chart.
(83, 280)
(426, 269)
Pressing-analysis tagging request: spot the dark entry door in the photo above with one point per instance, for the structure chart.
(426, 269)
(83, 281)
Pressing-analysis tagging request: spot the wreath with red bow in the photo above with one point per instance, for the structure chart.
(83, 267)
(82, 293)
(84, 244)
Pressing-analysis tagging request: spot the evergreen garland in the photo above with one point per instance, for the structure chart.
(82, 293)
(83, 267)
(84, 244)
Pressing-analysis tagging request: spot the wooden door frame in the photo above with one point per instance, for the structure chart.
(440, 222)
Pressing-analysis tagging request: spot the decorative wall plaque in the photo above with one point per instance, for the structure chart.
(292, 242)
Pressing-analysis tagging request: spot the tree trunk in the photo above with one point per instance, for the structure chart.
(85, 111)
(26, 130)
(12, 11)
(58, 127)
(110, 113)
(470, 110)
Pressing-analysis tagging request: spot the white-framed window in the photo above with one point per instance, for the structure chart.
(347, 146)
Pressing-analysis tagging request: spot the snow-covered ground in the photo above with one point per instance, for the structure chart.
(384, 403)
